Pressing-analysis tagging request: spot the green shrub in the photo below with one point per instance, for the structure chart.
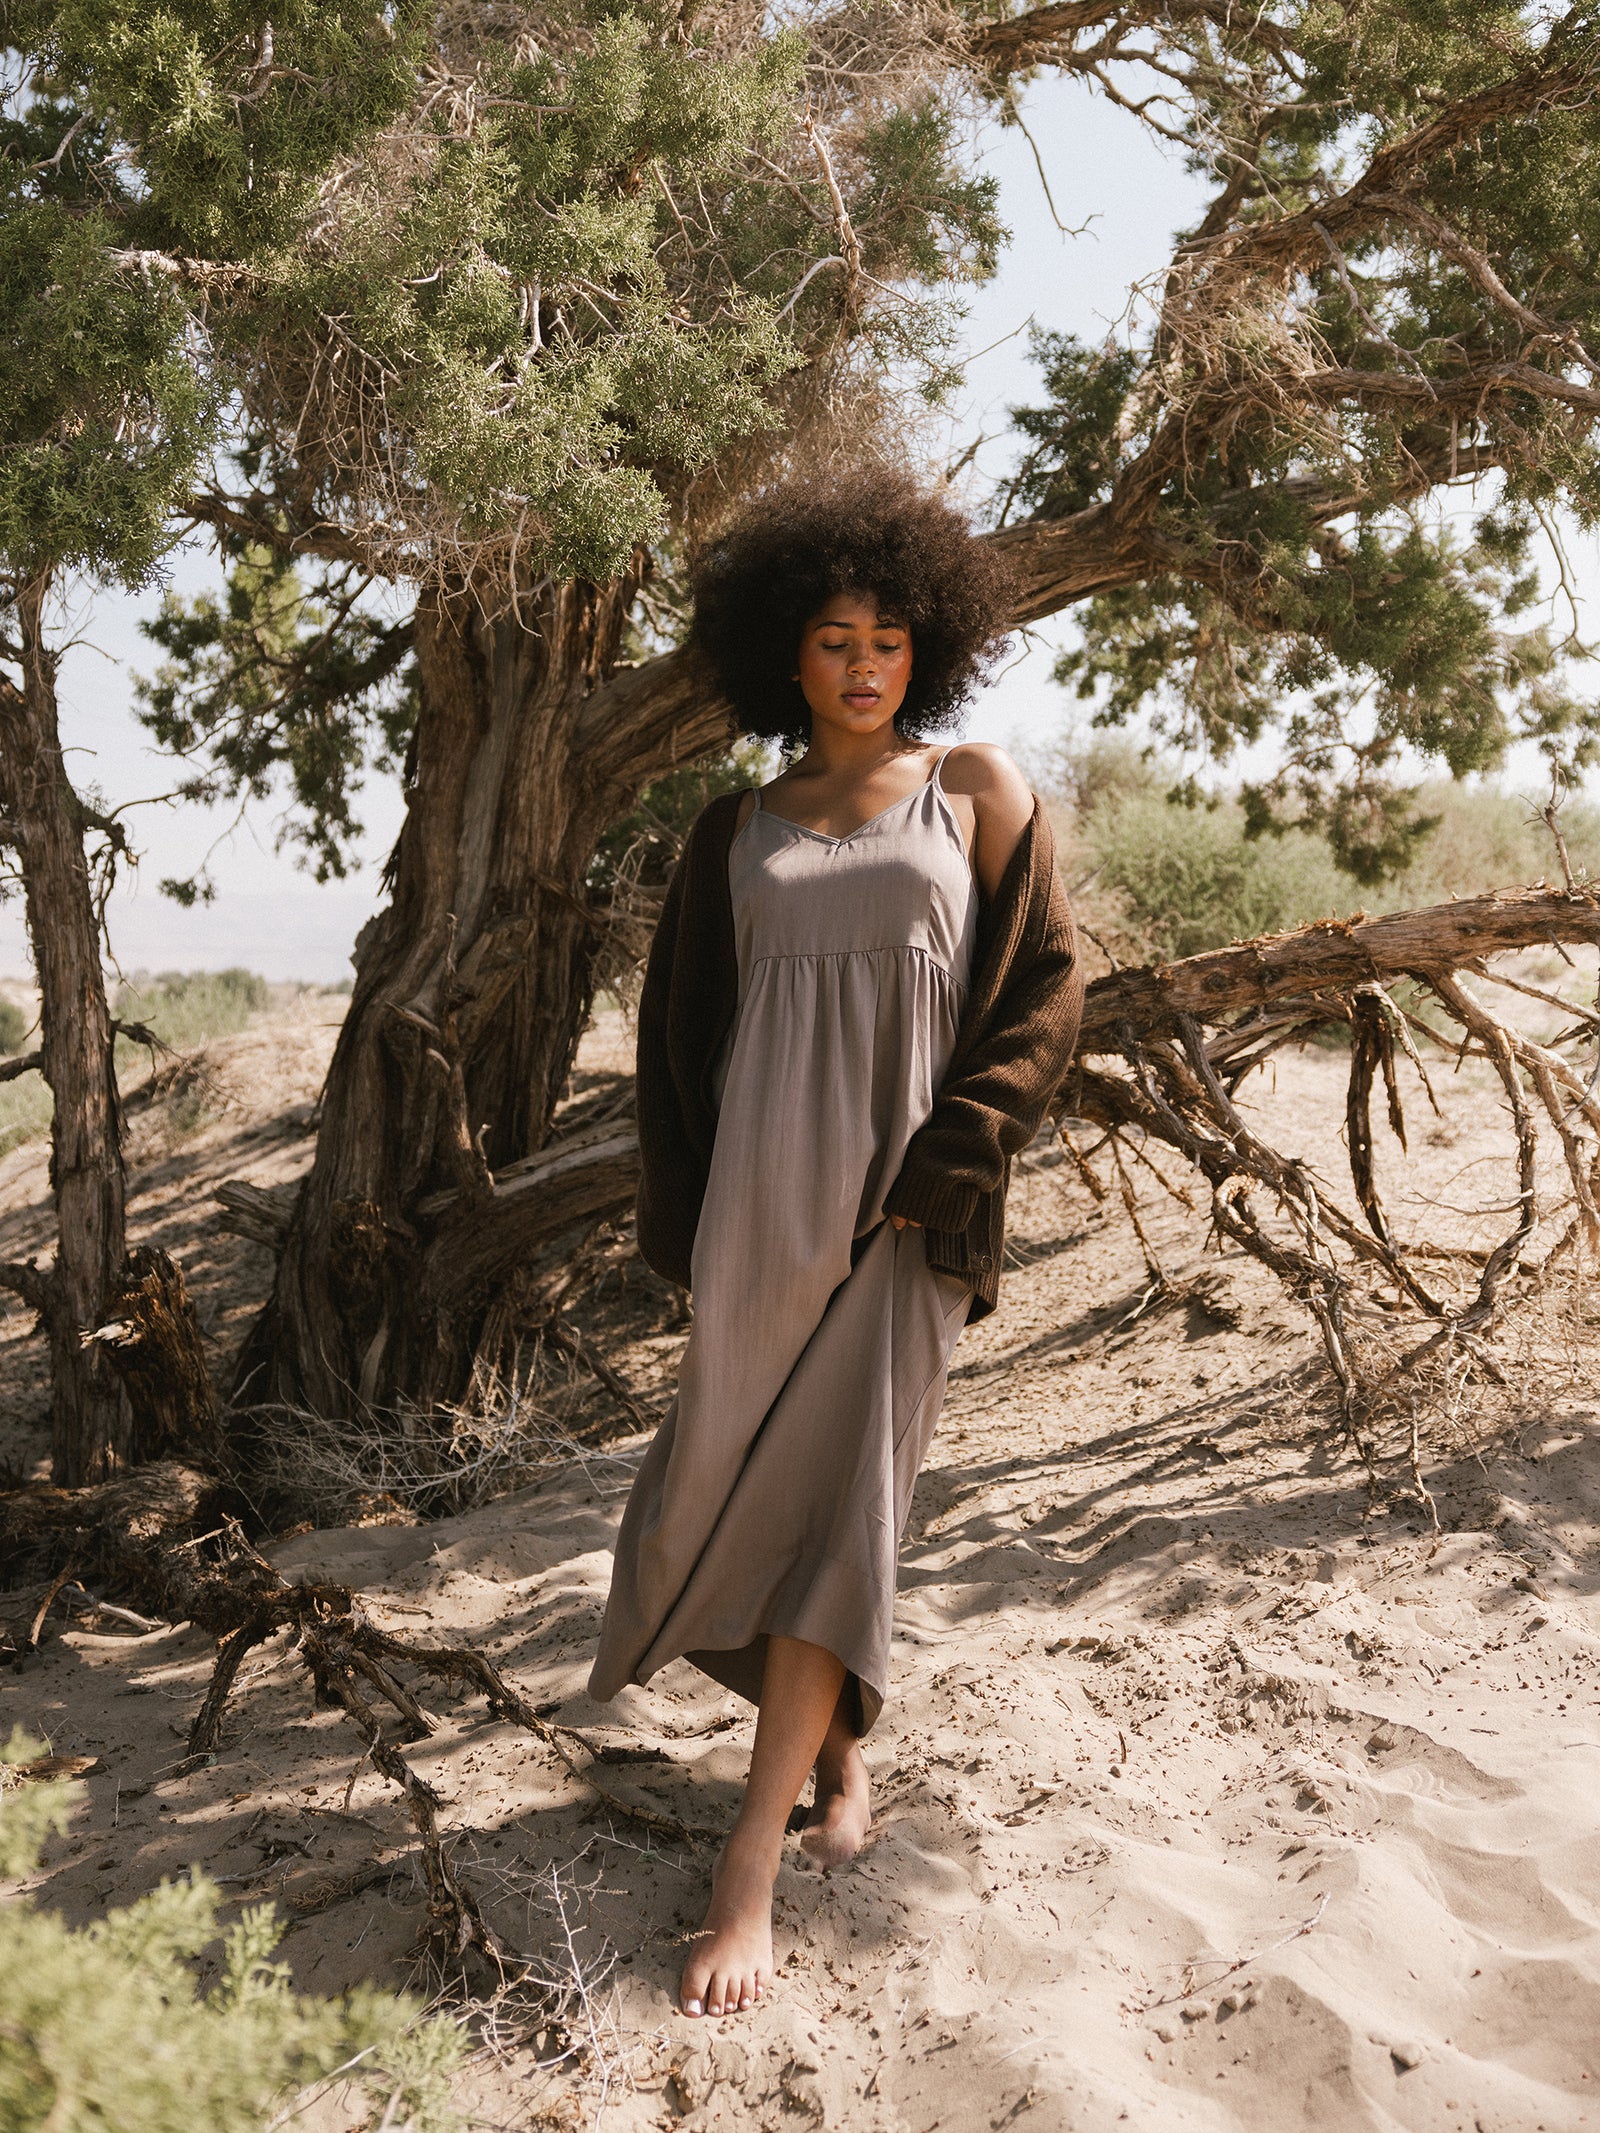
(1190, 879)
(185, 1008)
(14, 1026)
(1170, 879)
(26, 1108)
(106, 2029)
(1488, 839)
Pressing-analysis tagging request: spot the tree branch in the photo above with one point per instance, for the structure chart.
(210, 509)
(22, 1278)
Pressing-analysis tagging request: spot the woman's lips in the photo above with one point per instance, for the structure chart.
(861, 696)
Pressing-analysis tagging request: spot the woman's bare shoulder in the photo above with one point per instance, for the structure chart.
(984, 771)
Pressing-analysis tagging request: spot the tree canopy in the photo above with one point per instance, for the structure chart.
(1391, 296)
(550, 288)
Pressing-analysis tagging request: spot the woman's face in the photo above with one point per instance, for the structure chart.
(855, 665)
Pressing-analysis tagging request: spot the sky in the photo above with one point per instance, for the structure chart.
(1119, 192)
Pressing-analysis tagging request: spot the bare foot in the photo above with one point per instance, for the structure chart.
(730, 1961)
(839, 1819)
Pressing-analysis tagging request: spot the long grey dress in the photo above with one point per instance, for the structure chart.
(772, 1498)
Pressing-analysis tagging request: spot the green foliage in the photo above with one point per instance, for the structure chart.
(1394, 646)
(29, 1813)
(481, 306)
(1487, 838)
(107, 2030)
(102, 416)
(1174, 873)
(1072, 448)
(270, 680)
(1186, 877)
(1318, 364)
(187, 1007)
(14, 1027)
(551, 282)
(230, 128)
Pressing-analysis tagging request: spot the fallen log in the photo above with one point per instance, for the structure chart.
(1331, 956)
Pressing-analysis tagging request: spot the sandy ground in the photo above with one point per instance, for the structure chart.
(1213, 1792)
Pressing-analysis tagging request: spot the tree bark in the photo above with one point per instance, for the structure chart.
(152, 1340)
(471, 993)
(44, 822)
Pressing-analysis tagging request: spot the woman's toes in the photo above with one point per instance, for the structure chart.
(693, 1989)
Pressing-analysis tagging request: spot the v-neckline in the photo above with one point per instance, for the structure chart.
(806, 830)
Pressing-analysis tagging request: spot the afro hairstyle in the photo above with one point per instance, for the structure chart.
(875, 534)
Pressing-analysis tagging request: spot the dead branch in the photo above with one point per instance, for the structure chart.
(262, 1213)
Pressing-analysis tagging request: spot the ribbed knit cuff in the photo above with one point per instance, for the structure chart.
(935, 1202)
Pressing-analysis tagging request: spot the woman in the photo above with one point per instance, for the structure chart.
(862, 993)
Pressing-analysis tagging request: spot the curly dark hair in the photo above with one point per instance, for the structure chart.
(877, 535)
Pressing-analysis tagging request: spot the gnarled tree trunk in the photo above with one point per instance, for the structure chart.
(44, 824)
(472, 990)
(401, 1265)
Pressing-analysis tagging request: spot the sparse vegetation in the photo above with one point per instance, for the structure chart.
(183, 1008)
(13, 1027)
(25, 1110)
(109, 2026)
(187, 1007)
(1174, 874)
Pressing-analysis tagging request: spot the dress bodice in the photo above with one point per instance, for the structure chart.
(899, 883)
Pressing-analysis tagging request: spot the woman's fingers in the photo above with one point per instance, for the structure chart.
(904, 1222)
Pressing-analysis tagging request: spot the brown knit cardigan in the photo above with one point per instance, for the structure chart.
(1012, 1049)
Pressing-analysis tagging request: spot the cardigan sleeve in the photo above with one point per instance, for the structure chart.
(687, 1000)
(665, 1162)
(999, 1084)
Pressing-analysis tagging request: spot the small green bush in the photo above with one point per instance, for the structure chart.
(13, 1027)
(106, 2030)
(187, 1007)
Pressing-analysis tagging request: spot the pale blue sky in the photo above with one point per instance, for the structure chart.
(271, 916)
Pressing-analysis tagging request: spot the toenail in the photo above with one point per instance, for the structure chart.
(691, 2007)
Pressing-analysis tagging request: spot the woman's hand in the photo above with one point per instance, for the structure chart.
(904, 1222)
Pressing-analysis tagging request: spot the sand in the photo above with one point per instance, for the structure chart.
(1211, 1793)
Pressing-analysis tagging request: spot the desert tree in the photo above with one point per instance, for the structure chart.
(109, 410)
(103, 419)
(607, 270)
(602, 269)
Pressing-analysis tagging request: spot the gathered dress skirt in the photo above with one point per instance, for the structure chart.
(772, 1498)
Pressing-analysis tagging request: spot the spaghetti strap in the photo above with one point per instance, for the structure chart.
(934, 777)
